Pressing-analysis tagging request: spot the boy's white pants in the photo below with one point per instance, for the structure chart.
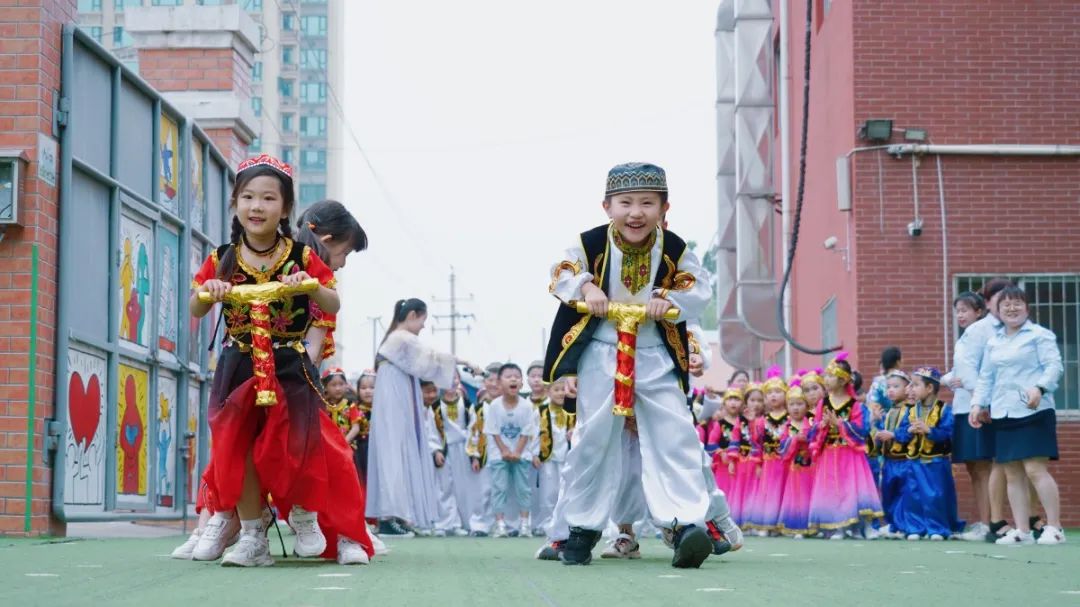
(672, 479)
(456, 492)
(547, 493)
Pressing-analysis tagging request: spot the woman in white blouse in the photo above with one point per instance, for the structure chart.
(1020, 371)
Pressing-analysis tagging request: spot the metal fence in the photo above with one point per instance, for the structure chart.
(143, 197)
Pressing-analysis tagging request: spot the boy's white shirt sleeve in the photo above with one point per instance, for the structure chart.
(406, 351)
(569, 275)
(690, 292)
(532, 447)
(492, 421)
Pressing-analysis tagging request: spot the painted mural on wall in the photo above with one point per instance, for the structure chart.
(170, 159)
(166, 441)
(131, 442)
(169, 269)
(198, 198)
(195, 338)
(136, 246)
(192, 438)
(84, 438)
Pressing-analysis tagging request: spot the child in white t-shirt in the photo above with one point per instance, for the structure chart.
(511, 427)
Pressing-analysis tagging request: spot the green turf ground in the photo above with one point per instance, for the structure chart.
(476, 572)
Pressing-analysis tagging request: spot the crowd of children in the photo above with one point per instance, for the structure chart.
(604, 438)
(801, 458)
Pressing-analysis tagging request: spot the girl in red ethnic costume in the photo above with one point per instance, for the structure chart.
(291, 449)
(744, 455)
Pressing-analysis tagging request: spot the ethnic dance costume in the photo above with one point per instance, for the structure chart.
(655, 389)
(844, 490)
(300, 455)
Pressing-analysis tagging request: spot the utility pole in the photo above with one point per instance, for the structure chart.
(454, 315)
(375, 322)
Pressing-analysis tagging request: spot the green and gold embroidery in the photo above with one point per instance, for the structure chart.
(636, 262)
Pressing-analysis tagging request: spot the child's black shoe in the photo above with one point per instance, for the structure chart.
(692, 546)
(578, 549)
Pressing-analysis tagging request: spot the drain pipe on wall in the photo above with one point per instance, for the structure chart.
(785, 174)
(946, 303)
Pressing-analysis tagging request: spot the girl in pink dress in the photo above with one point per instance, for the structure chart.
(720, 431)
(844, 500)
(762, 513)
(744, 455)
(795, 451)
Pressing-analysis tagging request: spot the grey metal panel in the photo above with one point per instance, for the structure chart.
(91, 100)
(755, 286)
(136, 153)
(215, 205)
(738, 347)
(90, 212)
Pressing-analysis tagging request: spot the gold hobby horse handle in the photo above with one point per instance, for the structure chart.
(627, 319)
(621, 313)
(258, 298)
(264, 292)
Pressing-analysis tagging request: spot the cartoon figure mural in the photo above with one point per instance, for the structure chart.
(166, 459)
(135, 280)
(168, 242)
(131, 444)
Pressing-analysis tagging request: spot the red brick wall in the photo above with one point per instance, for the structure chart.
(194, 69)
(977, 73)
(30, 50)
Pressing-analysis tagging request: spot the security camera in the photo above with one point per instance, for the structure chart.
(914, 229)
(830, 243)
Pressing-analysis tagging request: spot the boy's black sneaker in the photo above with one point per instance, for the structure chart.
(692, 546)
(392, 528)
(578, 549)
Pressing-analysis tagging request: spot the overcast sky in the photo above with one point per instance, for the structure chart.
(491, 125)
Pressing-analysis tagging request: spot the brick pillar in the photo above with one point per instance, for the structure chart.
(30, 49)
(200, 58)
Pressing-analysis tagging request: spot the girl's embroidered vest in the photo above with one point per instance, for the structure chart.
(571, 331)
(893, 449)
(772, 427)
(802, 456)
(289, 318)
(552, 416)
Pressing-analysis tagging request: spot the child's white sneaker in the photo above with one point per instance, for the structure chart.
(1051, 536)
(380, 547)
(622, 547)
(937, 537)
(185, 550)
(218, 533)
(253, 550)
(500, 530)
(350, 552)
(525, 529)
(976, 533)
(914, 537)
(1015, 537)
(459, 532)
(310, 540)
(439, 533)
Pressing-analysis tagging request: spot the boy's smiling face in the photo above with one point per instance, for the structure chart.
(635, 214)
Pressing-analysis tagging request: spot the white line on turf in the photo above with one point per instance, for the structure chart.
(669, 576)
(329, 588)
(335, 575)
(89, 566)
(715, 589)
(42, 575)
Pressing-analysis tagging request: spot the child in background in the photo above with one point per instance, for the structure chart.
(795, 451)
(927, 429)
(844, 496)
(342, 411)
(555, 434)
(813, 386)
(764, 511)
(452, 471)
(895, 476)
(365, 393)
(510, 428)
(719, 434)
(744, 455)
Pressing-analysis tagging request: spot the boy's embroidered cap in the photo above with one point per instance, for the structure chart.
(636, 177)
(929, 374)
(268, 161)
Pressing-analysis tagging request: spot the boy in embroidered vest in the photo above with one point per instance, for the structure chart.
(556, 430)
(538, 396)
(453, 472)
(482, 518)
(930, 501)
(630, 261)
